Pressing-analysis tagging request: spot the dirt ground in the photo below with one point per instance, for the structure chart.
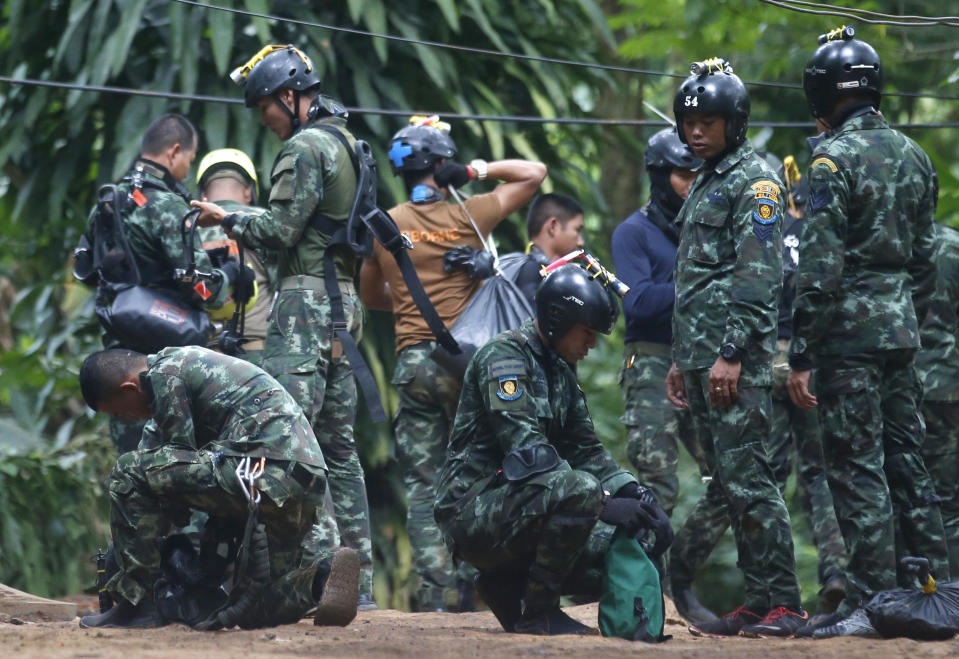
(421, 635)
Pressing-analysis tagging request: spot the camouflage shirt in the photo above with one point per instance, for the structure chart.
(206, 400)
(867, 244)
(938, 361)
(154, 232)
(729, 266)
(517, 392)
(312, 174)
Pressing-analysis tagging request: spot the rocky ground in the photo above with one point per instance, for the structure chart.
(418, 636)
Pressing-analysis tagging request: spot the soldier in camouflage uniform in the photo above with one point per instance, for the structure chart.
(938, 366)
(153, 229)
(428, 394)
(313, 179)
(704, 527)
(523, 486)
(728, 282)
(208, 411)
(865, 275)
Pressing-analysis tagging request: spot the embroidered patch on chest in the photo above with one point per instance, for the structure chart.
(509, 388)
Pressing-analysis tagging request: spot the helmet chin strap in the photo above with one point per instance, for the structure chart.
(294, 114)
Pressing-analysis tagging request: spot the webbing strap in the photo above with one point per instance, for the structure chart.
(385, 231)
(361, 371)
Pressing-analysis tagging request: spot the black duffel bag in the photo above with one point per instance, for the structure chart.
(149, 319)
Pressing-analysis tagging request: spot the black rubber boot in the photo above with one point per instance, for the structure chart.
(502, 593)
(124, 615)
(551, 623)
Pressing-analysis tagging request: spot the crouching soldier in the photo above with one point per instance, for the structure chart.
(526, 478)
(210, 413)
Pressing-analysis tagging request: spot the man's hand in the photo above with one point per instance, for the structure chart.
(676, 387)
(798, 387)
(210, 213)
(723, 379)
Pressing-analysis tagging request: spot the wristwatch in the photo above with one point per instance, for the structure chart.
(480, 167)
(731, 352)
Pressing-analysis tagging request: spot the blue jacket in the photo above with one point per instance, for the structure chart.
(644, 256)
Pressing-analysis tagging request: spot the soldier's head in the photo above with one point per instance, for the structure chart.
(227, 175)
(711, 109)
(417, 149)
(672, 168)
(571, 308)
(171, 141)
(555, 223)
(110, 383)
(282, 82)
(843, 70)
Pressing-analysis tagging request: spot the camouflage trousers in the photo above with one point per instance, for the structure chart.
(743, 480)
(791, 426)
(872, 440)
(654, 426)
(152, 488)
(428, 397)
(300, 353)
(544, 529)
(940, 451)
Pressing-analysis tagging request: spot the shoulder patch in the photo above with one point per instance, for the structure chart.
(766, 190)
(766, 194)
(823, 160)
(507, 367)
(509, 388)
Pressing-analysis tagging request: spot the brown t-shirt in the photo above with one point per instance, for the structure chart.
(433, 229)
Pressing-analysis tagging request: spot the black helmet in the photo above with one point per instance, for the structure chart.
(274, 68)
(569, 295)
(420, 144)
(713, 88)
(665, 150)
(841, 65)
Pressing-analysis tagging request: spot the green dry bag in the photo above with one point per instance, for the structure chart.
(631, 604)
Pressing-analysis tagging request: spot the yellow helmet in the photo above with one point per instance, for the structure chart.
(226, 311)
(220, 159)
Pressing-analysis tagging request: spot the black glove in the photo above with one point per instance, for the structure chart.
(478, 263)
(625, 513)
(241, 278)
(636, 491)
(451, 173)
(655, 520)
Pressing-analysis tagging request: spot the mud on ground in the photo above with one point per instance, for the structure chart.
(419, 636)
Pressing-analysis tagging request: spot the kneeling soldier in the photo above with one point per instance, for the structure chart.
(209, 412)
(527, 478)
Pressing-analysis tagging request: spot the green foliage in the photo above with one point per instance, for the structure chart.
(52, 513)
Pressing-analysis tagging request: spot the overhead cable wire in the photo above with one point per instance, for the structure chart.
(594, 121)
(521, 56)
(889, 19)
(867, 12)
